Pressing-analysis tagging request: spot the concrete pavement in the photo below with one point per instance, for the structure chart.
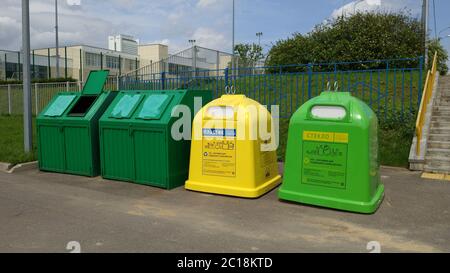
(42, 212)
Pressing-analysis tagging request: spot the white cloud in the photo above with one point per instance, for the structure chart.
(210, 38)
(9, 27)
(206, 3)
(377, 5)
(73, 2)
(170, 21)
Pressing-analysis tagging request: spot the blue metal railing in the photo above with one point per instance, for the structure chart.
(388, 86)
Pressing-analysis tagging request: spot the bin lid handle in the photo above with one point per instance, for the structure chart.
(230, 90)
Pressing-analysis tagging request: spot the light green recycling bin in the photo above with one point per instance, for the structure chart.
(332, 155)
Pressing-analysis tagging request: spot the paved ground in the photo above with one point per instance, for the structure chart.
(42, 212)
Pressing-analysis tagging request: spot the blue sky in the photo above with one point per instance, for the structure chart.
(174, 22)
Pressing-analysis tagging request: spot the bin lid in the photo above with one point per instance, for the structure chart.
(95, 82)
(154, 106)
(126, 106)
(59, 106)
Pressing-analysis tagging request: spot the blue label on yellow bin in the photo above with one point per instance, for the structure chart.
(219, 152)
(219, 132)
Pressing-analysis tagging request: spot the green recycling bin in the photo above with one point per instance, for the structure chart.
(67, 128)
(332, 155)
(136, 143)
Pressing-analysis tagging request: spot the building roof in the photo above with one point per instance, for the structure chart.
(150, 44)
(93, 47)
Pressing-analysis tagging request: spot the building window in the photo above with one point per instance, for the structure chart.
(112, 62)
(92, 59)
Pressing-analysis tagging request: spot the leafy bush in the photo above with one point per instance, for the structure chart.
(361, 37)
(442, 56)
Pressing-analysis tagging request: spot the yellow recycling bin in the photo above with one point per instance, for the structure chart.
(233, 150)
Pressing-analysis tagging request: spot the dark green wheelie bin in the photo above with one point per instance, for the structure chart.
(136, 140)
(68, 128)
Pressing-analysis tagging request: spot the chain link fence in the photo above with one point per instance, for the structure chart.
(11, 96)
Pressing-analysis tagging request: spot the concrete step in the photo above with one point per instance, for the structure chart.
(439, 137)
(429, 169)
(438, 144)
(440, 130)
(441, 108)
(437, 164)
(439, 153)
(436, 169)
(440, 119)
(441, 113)
(440, 124)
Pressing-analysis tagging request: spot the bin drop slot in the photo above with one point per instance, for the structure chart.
(59, 106)
(329, 112)
(154, 106)
(220, 112)
(126, 106)
(82, 106)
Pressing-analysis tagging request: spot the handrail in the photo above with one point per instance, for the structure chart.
(426, 96)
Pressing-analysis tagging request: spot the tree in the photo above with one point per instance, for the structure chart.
(361, 37)
(442, 56)
(248, 54)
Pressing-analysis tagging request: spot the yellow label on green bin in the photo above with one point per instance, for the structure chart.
(325, 136)
(325, 159)
(324, 164)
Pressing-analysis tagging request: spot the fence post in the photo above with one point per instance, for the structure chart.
(67, 86)
(9, 100)
(18, 65)
(120, 65)
(217, 61)
(310, 74)
(163, 80)
(385, 93)
(36, 98)
(6, 65)
(34, 67)
(226, 76)
(419, 93)
(65, 62)
(80, 78)
(335, 72)
(117, 83)
(194, 61)
(49, 64)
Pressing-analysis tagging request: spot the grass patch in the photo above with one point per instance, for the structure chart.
(394, 148)
(11, 140)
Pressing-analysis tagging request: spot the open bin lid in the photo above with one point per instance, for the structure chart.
(154, 106)
(95, 82)
(126, 106)
(59, 106)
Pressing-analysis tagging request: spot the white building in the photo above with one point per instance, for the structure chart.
(123, 43)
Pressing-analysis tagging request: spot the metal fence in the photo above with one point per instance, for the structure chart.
(42, 66)
(388, 86)
(11, 96)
